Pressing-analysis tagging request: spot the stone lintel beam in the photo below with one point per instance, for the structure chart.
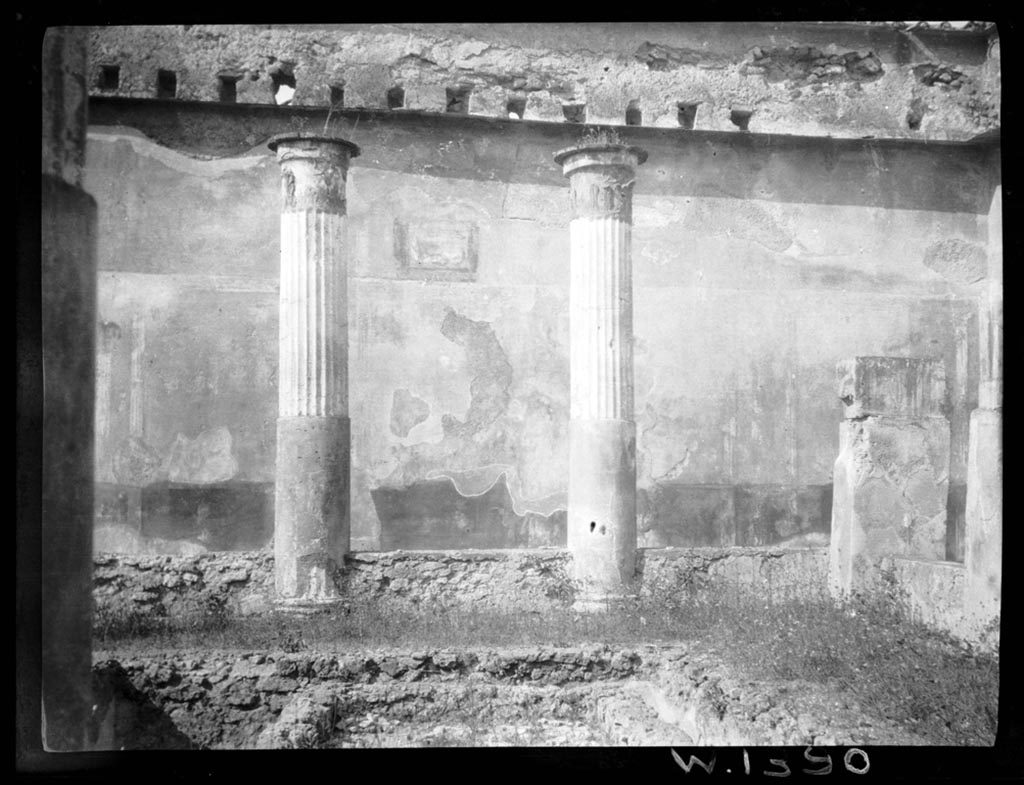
(312, 527)
(602, 433)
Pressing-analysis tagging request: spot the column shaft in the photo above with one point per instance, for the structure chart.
(312, 527)
(313, 338)
(601, 319)
(602, 434)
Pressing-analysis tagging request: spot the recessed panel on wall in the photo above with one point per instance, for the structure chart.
(438, 250)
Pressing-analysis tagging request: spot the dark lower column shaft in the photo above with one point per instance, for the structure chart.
(312, 496)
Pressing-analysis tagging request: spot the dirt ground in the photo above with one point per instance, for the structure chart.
(598, 695)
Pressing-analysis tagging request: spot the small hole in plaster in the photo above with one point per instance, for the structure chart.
(593, 525)
(741, 118)
(166, 84)
(574, 113)
(110, 77)
(687, 115)
(396, 98)
(457, 100)
(228, 93)
(516, 108)
(633, 114)
(337, 95)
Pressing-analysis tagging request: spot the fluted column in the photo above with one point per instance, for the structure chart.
(602, 433)
(311, 516)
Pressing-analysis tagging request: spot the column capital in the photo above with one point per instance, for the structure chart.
(601, 177)
(313, 170)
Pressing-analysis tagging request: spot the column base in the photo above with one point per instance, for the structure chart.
(594, 603)
(311, 518)
(983, 558)
(601, 534)
(307, 607)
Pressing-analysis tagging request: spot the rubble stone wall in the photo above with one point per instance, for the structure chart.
(243, 583)
(809, 79)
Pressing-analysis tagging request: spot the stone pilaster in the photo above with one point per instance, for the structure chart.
(983, 554)
(68, 279)
(602, 433)
(311, 524)
(891, 479)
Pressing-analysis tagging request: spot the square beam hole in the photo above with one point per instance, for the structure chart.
(110, 77)
(687, 115)
(396, 98)
(337, 95)
(516, 108)
(741, 118)
(282, 82)
(166, 84)
(633, 114)
(228, 92)
(457, 100)
(574, 113)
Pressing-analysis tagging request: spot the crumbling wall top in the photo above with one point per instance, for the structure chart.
(902, 81)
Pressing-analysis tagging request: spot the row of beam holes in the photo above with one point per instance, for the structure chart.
(457, 98)
(166, 81)
(282, 87)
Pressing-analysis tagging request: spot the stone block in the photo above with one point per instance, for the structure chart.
(366, 87)
(425, 97)
(489, 102)
(661, 114)
(892, 386)
(606, 105)
(541, 105)
(891, 484)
